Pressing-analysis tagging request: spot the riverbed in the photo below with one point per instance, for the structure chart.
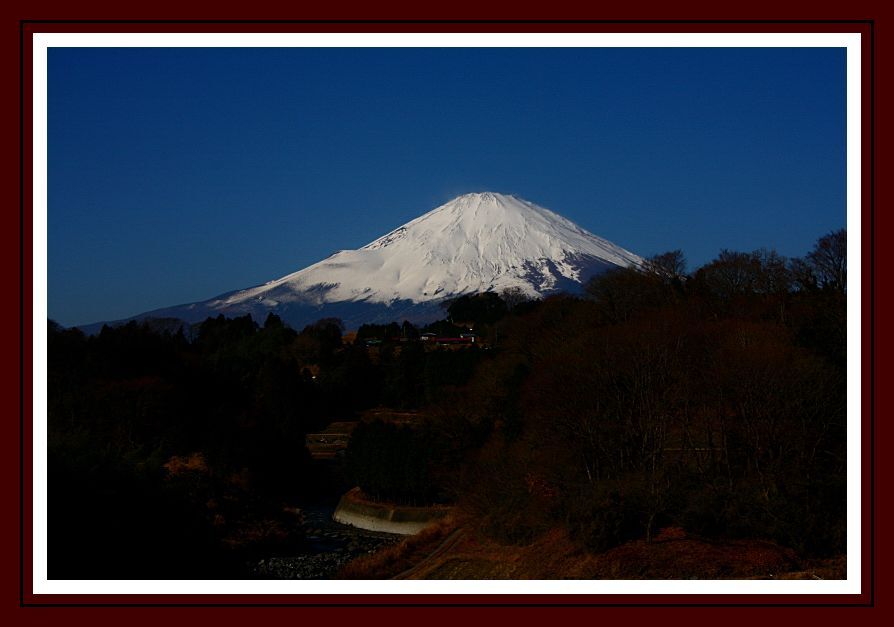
(327, 548)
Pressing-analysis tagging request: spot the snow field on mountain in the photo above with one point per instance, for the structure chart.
(476, 242)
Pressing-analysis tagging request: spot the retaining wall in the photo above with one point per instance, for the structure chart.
(405, 520)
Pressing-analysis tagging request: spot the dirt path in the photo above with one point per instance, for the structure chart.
(448, 543)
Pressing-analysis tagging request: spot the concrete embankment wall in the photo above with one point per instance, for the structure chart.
(389, 518)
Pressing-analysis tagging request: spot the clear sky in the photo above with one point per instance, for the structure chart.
(179, 174)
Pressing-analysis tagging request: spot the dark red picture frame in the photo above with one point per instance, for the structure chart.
(19, 256)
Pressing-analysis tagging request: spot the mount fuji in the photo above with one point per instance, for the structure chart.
(474, 243)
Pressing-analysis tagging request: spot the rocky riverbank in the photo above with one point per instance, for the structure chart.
(328, 547)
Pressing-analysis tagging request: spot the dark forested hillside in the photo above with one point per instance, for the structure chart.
(712, 401)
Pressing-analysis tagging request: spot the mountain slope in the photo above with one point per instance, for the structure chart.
(476, 242)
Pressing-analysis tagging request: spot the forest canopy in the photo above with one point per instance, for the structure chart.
(713, 400)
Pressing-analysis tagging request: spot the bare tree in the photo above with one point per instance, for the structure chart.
(829, 260)
(670, 265)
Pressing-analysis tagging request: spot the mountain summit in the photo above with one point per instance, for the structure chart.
(474, 243)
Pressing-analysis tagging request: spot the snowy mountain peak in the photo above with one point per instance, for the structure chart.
(483, 241)
(467, 212)
(477, 198)
(475, 242)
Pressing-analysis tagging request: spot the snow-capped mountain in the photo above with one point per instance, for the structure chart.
(474, 243)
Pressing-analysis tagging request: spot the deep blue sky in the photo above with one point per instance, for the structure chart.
(179, 174)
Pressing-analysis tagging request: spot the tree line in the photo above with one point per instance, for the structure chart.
(713, 400)
(171, 444)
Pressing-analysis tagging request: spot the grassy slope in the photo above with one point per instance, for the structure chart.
(439, 553)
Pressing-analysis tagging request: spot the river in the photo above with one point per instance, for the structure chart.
(327, 545)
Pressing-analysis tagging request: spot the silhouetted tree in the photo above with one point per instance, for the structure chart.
(483, 308)
(514, 297)
(409, 331)
(670, 265)
(829, 261)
